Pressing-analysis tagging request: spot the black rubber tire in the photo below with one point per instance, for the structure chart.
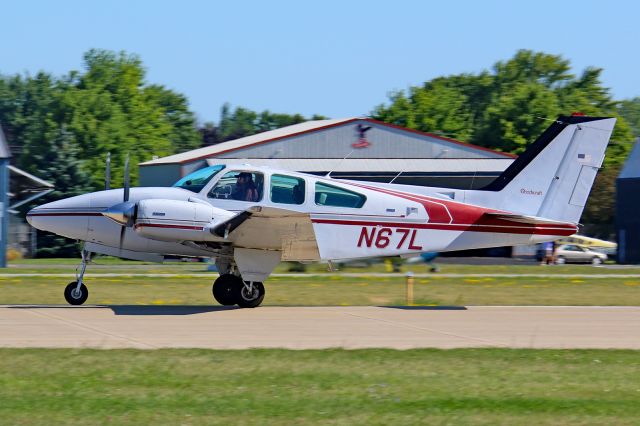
(250, 301)
(76, 299)
(226, 289)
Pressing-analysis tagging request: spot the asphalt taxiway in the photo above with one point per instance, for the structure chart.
(150, 327)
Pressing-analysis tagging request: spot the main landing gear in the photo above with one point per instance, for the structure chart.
(76, 293)
(229, 289)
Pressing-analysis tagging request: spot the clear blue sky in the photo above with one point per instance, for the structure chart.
(336, 58)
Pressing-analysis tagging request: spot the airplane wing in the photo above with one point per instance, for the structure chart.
(272, 228)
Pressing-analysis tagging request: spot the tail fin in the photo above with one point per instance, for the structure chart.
(553, 177)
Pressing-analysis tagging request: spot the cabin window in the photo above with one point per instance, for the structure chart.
(197, 180)
(287, 189)
(329, 195)
(240, 186)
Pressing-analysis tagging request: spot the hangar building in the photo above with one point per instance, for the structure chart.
(351, 148)
(627, 218)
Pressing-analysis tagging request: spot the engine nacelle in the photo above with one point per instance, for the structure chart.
(173, 220)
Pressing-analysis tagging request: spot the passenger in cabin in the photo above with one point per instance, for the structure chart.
(298, 195)
(245, 189)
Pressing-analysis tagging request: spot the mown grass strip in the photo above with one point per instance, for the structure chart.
(465, 386)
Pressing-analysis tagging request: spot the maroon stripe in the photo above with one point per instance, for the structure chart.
(157, 225)
(65, 214)
(534, 230)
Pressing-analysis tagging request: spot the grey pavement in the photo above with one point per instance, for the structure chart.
(149, 327)
(307, 275)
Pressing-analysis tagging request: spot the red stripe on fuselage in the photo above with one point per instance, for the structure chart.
(441, 210)
(64, 214)
(559, 230)
(157, 225)
(466, 214)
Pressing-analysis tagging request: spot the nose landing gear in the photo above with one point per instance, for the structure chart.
(76, 293)
(230, 289)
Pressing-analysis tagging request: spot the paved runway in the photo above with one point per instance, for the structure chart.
(151, 327)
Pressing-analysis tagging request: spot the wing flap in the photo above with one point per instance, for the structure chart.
(272, 229)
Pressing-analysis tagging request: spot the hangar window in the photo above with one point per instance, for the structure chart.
(197, 180)
(287, 189)
(329, 195)
(239, 185)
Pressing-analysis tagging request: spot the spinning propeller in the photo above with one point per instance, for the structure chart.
(122, 213)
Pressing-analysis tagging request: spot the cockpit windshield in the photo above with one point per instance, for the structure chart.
(197, 180)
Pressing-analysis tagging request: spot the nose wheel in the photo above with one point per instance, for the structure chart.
(76, 293)
(229, 289)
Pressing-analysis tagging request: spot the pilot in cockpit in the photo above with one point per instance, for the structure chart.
(245, 189)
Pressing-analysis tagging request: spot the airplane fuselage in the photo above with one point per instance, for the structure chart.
(389, 222)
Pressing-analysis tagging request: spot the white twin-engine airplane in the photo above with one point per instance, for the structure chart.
(251, 218)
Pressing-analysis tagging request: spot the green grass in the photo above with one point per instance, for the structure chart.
(109, 264)
(337, 290)
(329, 289)
(380, 387)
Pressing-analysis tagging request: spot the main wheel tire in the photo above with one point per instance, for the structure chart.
(253, 299)
(596, 261)
(226, 288)
(76, 297)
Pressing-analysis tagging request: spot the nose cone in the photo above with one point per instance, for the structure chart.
(122, 213)
(68, 217)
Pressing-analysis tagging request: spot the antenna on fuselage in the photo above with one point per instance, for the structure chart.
(328, 175)
(396, 176)
(107, 172)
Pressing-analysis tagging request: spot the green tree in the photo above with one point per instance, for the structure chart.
(60, 165)
(630, 110)
(109, 111)
(241, 122)
(505, 127)
(183, 135)
(237, 124)
(508, 107)
(61, 129)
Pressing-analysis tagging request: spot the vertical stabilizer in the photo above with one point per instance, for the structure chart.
(553, 177)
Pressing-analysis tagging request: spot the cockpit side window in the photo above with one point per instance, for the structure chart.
(240, 186)
(197, 180)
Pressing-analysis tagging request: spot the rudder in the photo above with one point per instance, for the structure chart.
(553, 177)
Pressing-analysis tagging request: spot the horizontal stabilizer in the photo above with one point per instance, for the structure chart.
(533, 220)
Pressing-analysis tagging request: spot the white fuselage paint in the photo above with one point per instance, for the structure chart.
(389, 223)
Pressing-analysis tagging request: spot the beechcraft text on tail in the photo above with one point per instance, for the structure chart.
(250, 218)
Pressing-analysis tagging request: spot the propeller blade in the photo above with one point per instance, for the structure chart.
(107, 172)
(123, 231)
(126, 179)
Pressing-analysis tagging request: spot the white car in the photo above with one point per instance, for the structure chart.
(571, 253)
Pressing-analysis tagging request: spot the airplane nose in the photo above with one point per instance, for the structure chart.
(30, 215)
(68, 217)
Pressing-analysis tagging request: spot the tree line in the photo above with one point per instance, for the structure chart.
(60, 128)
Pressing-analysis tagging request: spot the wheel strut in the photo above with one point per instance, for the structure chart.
(76, 293)
(86, 258)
